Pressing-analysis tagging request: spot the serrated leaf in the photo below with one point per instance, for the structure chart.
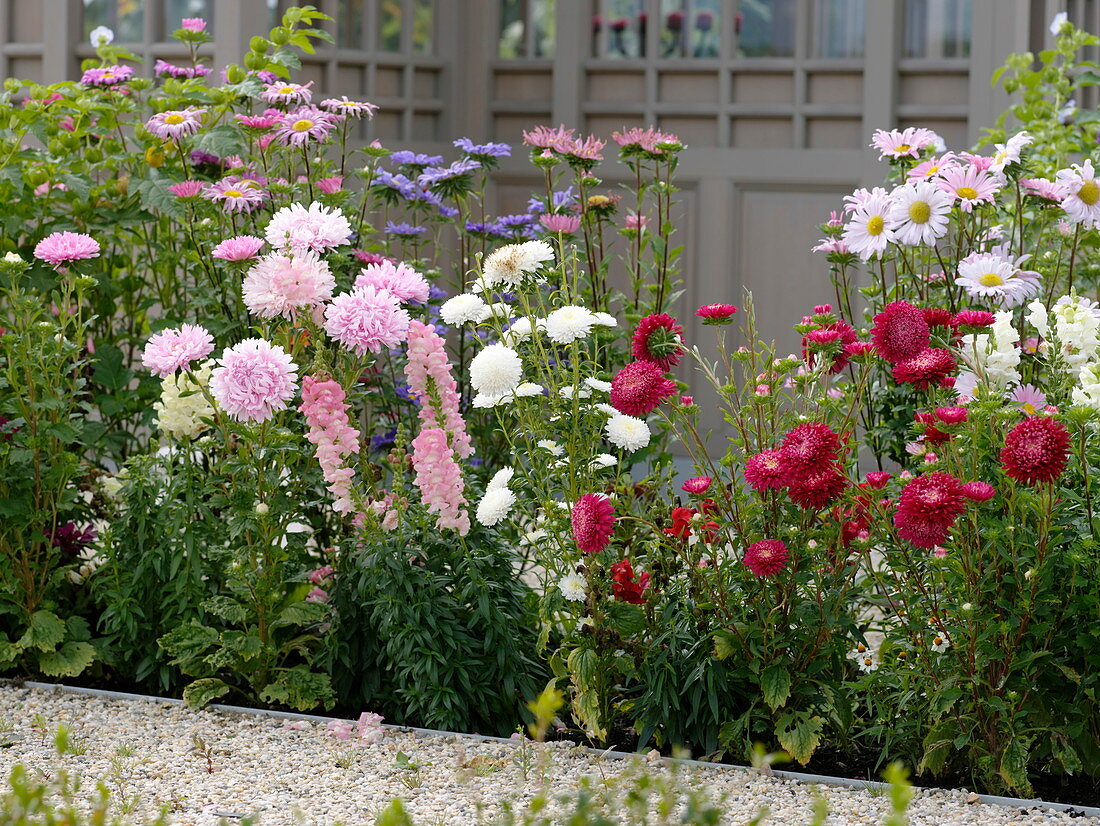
(227, 609)
(302, 613)
(67, 661)
(775, 682)
(586, 702)
(799, 734)
(301, 689)
(188, 643)
(202, 692)
(1013, 769)
(45, 632)
(627, 619)
(221, 141)
(156, 197)
(725, 644)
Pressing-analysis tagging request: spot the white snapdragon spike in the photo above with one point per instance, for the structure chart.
(1088, 393)
(570, 323)
(496, 370)
(495, 506)
(1077, 329)
(463, 309)
(510, 265)
(182, 405)
(918, 214)
(627, 432)
(573, 587)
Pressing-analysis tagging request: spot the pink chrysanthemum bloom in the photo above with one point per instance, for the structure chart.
(235, 194)
(403, 281)
(697, 485)
(546, 137)
(928, 507)
(170, 351)
(186, 189)
(975, 319)
(305, 124)
(330, 430)
(314, 226)
(978, 491)
(636, 222)
(106, 76)
(932, 365)
(281, 284)
(658, 338)
(639, 387)
(593, 522)
(1081, 193)
(969, 186)
(366, 320)
(175, 123)
(900, 331)
(254, 380)
(238, 248)
(260, 123)
(766, 558)
(563, 224)
(906, 143)
(330, 185)
(831, 340)
(62, 247)
(1036, 451)
(428, 372)
(366, 257)
(716, 314)
(193, 24)
(764, 470)
(287, 94)
(952, 415)
(878, 479)
(808, 448)
(1028, 398)
(349, 108)
(439, 479)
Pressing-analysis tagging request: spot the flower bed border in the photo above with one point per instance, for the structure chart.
(799, 777)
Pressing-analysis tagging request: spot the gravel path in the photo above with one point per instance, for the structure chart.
(290, 776)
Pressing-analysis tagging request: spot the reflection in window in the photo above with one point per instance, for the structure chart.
(526, 28)
(619, 30)
(126, 18)
(389, 25)
(765, 28)
(840, 28)
(349, 24)
(937, 28)
(423, 26)
(689, 28)
(176, 10)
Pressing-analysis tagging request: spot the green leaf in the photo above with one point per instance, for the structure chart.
(799, 734)
(725, 644)
(937, 745)
(201, 692)
(1013, 769)
(627, 619)
(776, 685)
(300, 688)
(187, 644)
(301, 613)
(394, 815)
(583, 664)
(45, 632)
(9, 653)
(68, 661)
(221, 141)
(156, 198)
(110, 370)
(227, 609)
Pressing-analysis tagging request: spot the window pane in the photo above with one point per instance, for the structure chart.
(620, 30)
(349, 24)
(937, 28)
(526, 28)
(176, 10)
(126, 18)
(689, 28)
(423, 26)
(840, 28)
(389, 25)
(765, 28)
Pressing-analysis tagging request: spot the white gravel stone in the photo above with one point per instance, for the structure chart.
(144, 750)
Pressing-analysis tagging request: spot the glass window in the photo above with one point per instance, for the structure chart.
(176, 10)
(840, 28)
(619, 30)
(423, 26)
(690, 28)
(389, 25)
(126, 18)
(937, 28)
(765, 28)
(526, 28)
(349, 24)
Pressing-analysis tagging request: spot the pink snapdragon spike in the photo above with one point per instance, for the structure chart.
(330, 431)
(428, 368)
(254, 380)
(62, 247)
(170, 351)
(439, 479)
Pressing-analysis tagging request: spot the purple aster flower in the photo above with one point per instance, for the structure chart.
(200, 158)
(447, 212)
(383, 441)
(402, 230)
(483, 151)
(435, 293)
(404, 393)
(415, 161)
(106, 76)
(166, 69)
(437, 175)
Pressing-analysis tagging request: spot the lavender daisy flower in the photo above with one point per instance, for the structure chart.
(175, 123)
(106, 76)
(349, 108)
(235, 194)
(447, 212)
(403, 229)
(166, 69)
(483, 151)
(305, 124)
(415, 162)
(287, 93)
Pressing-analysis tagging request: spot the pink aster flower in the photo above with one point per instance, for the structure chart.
(186, 189)
(639, 387)
(1043, 189)
(305, 124)
(287, 93)
(439, 479)
(1081, 193)
(593, 521)
(697, 485)
(1029, 398)
(405, 283)
(330, 185)
(969, 186)
(366, 320)
(254, 380)
(238, 248)
(932, 168)
(349, 108)
(235, 194)
(282, 284)
(260, 122)
(978, 491)
(716, 313)
(175, 123)
(906, 143)
(766, 558)
(106, 76)
(170, 351)
(563, 224)
(193, 24)
(314, 226)
(62, 247)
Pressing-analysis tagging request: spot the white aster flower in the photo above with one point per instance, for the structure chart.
(606, 409)
(508, 266)
(1010, 151)
(867, 231)
(919, 212)
(462, 309)
(571, 392)
(551, 446)
(598, 384)
(500, 310)
(627, 432)
(531, 537)
(1058, 23)
(101, 36)
(569, 323)
(496, 370)
(603, 460)
(483, 401)
(501, 478)
(495, 505)
(940, 643)
(606, 320)
(518, 332)
(529, 388)
(573, 587)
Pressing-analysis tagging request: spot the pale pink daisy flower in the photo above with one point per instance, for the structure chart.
(932, 168)
(980, 162)
(969, 186)
(366, 320)
(918, 214)
(906, 143)
(175, 123)
(1081, 200)
(405, 283)
(235, 194)
(868, 231)
(186, 189)
(238, 248)
(279, 284)
(349, 108)
(314, 226)
(305, 124)
(563, 224)
(254, 380)
(261, 122)
(62, 247)
(1042, 188)
(287, 93)
(830, 245)
(170, 351)
(1028, 398)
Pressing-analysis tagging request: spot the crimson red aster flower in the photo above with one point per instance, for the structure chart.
(593, 522)
(977, 319)
(921, 534)
(952, 415)
(928, 507)
(764, 470)
(697, 485)
(681, 522)
(809, 447)
(900, 332)
(639, 387)
(932, 434)
(766, 557)
(716, 313)
(626, 586)
(859, 348)
(659, 338)
(1036, 451)
(978, 491)
(832, 338)
(817, 489)
(938, 317)
(933, 365)
(877, 479)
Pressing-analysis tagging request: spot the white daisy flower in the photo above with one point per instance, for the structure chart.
(572, 587)
(495, 505)
(1082, 199)
(550, 446)
(606, 409)
(918, 214)
(627, 432)
(940, 644)
(531, 537)
(867, 232)
(598, 384)
(496, 370)
(569, 323)
(508, 266)
(1010, 151)
(463, 309)
(1058, 23)
(868, 663)
(988, 275)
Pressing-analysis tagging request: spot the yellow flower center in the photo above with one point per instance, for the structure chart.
(902, 148)
(932, 170)
(234, 193)
(302, 125)
(1089, 193)
(875, 225)
(990, 279)
(968, 192)
(920, 212)
(1029, 408)
(287, 90)
(174, 118)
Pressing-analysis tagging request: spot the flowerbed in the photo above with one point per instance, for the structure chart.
(291, 418)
